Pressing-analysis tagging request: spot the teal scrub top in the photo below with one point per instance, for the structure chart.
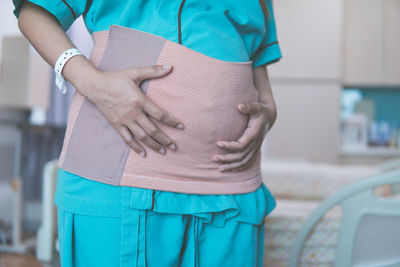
(227, 30)
(224, 29)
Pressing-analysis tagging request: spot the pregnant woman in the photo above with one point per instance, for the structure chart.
(187, 76)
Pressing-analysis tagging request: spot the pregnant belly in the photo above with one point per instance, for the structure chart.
(205, 97)
(204, 93)
(201, 91)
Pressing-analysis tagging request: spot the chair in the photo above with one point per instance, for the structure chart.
(47, 233)
(369, 233)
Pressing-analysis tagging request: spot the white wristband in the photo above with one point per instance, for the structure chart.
(64, 57)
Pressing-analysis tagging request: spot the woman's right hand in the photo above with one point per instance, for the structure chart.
(116, 93)
(120, 99)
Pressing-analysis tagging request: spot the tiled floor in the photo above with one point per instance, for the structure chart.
(15, 260)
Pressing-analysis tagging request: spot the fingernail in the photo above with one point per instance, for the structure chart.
(220, 144)
(162, 150)
(166, 67)
(241, 106)
(221, 168)
(179, 126)
(216, 158)
(142, 154)
(172, 146)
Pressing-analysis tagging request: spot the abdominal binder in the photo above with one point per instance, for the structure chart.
(201, 91)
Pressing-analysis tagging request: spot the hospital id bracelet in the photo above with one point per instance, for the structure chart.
(64, 57)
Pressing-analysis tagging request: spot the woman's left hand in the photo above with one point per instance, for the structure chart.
(242, 153)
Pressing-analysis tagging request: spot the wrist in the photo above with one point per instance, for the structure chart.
(271, 110)
(82, 74)
(272, 114)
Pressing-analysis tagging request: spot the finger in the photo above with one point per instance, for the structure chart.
(246, 162)
(234, 157)
(155, 71)
(253, 107)
(252, 159)
(246, 165)
(155, 132)
(160, 114)
(128, 138)
(255, 130)
(142, 136)
(249, 135)
(235, 165)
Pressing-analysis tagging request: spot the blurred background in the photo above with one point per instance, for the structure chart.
(337, 90)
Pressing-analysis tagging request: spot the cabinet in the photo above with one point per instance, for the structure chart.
(391, 66)
(306, 82)
(371, 42)
(25, 76)
(310, 36)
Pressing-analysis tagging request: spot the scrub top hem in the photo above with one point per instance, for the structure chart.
(80, 195)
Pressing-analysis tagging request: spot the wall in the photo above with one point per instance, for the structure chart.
(8, 21)
(9, 26)
(306, 83)
(56, 115)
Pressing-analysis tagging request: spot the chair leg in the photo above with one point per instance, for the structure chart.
(46, 233)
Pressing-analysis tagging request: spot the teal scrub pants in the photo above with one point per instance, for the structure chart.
(146, 238)
(155, 228)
